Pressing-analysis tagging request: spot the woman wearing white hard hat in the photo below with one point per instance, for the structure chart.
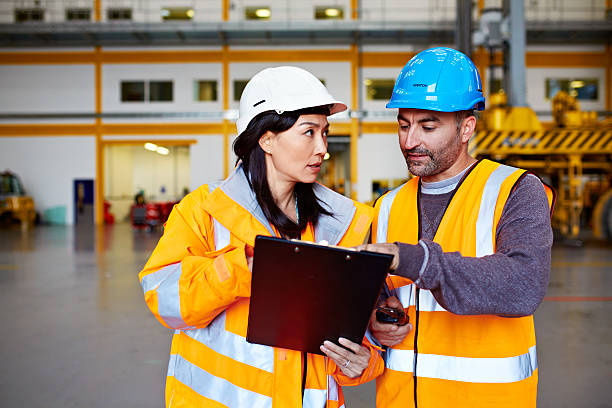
(198, 279)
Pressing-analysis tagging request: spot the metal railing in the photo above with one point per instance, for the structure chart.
(287, 10)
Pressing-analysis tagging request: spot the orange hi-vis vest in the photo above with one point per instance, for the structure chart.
(197, 282)
(451, 360)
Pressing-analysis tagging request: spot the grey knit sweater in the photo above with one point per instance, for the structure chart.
(510, 282)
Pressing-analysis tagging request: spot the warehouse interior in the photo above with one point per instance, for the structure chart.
(111, 111)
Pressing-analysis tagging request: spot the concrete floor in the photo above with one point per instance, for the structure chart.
(76, 331)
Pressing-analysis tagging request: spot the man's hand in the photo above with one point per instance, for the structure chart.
(385, 248)
(389, 334)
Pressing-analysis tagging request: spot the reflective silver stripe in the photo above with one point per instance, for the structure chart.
(406, 294)
(486, 213)
(383, 214)
(168, 299)
(400, 360)
(171, 365)
(466, 369)
(153, 280)
(332, 387)
(222, 235)
(314, 398)
(233, 346)
(427, 302)
(215, 388)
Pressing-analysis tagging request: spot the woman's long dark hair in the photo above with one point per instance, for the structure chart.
(246, 147)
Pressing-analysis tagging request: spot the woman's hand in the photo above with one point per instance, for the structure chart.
(352, 363)
(249, 252)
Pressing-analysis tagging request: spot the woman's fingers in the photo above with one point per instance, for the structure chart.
(352, 363)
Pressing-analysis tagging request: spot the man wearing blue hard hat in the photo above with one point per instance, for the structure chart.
(472, 244)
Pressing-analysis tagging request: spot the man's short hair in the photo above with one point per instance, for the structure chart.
(461, 115)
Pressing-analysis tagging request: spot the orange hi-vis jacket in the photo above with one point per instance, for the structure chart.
(197, 282)
(451, 360)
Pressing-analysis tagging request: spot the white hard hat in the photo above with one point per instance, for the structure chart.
(283, 89)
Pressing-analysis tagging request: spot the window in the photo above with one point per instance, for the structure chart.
(78, 14)
(329, 13)
(379, 89)
(580, 88)
(119, 14)
(257, 13)
(34, 14)
(152, 91)
(160, 91)
(177, 13)
(132, 91)
(205, 91)
(239, 85)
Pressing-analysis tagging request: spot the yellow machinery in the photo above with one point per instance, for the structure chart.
(13, 201)
(575, 157)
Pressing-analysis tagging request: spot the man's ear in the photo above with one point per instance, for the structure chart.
(467, 128)
(265, 141)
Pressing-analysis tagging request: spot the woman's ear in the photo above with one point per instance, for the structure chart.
(265, 142)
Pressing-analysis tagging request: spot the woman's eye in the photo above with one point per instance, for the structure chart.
(428, 128)
(309, 132)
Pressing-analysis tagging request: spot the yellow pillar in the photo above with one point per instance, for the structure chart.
(97, 8)
(225, 7)
(355, 9)
(226, 124)
(608, 90)
(99, 185)
(354, 121)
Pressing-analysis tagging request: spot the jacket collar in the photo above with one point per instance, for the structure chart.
(243, 216)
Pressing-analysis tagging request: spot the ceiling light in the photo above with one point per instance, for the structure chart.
(332, 12)
(162, 150)
(263, 13)
(189, 13)
(326, 157)
(165, 12)
(150, 146)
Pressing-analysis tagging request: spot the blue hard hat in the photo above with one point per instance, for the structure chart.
(439, 79)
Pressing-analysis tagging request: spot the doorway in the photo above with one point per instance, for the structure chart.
(83, 193)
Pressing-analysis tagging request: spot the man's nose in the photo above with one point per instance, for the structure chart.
(410, 139)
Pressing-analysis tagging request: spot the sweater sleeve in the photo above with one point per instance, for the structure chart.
(510, 282)
(186, 281)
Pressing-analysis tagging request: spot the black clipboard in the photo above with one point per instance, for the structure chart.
(304, 293)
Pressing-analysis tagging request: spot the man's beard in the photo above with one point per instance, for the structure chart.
(439, 160)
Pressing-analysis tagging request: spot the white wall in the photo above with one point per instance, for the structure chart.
(378, 157)
(47, 88)
(206, 160)
(287, 10)
(377, 106)
(337, 76)
(536, 86)
(47, 167)
(183, 77)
